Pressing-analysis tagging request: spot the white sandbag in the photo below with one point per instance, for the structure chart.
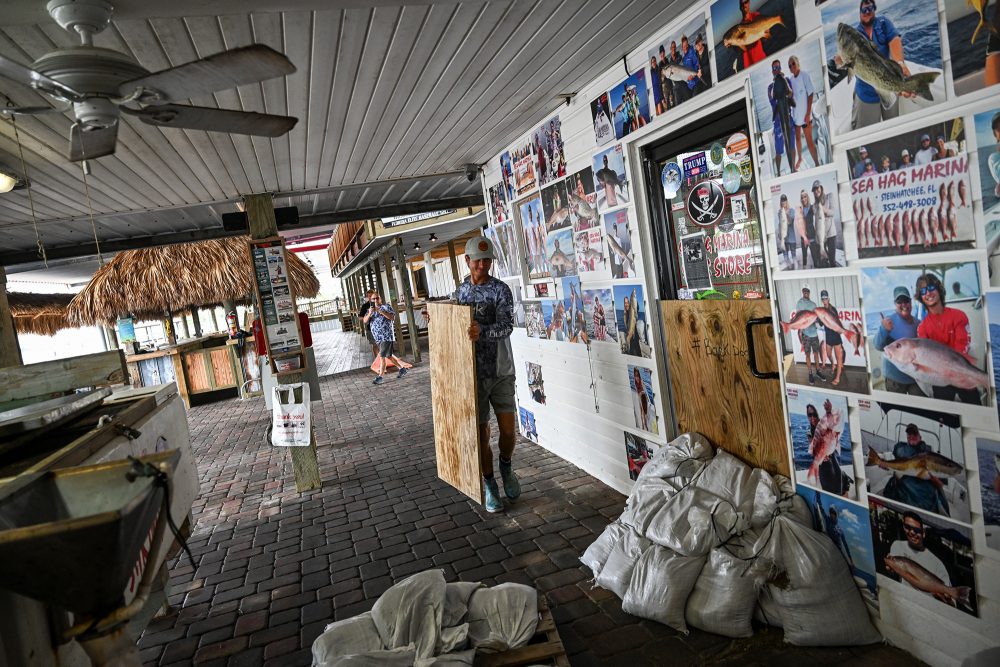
(455, 659)
(767, 611)
(660, 586)
(729, 478)
(597, 553)
(647, 498)
(400, 657)
(765, 497)
(694, 521)
(680, 460)
(456, 601)
(617, 571)
(502, 617)
(357, 634)
(724, 596)
(452, 639)
(410, 612)
(818, 602)
(791, 504)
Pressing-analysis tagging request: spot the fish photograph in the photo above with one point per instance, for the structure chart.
(821, 334)
(911, 193)
(560, 253)
(505, 243)
(630, 104)
(987, 129)
(582, 200)
(618, 237)
(749, 31)
(679, 66)
(507, 175)
(915, 456)
(883, 60)
(637, 453)
(550, 160)
(989, 488)
(522, 156)
(600, 114)
(555, 206)
(790, 106)
(536, 385)
(534, 321)
(808, 226)
(821, 441)
(848, 525)
(576, 322)
(640, 382)
(499, 210)
(927, 332)
(590, 257)
(533, 225)
(599, 311)
(974, 41)
(630, 316)
(924, 552)
(611, 178)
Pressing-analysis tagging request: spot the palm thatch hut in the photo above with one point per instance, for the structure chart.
(152, 281)
(42, 314)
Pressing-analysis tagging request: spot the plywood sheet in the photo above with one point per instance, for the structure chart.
(714, 391)
(453, 392)
(61, 375)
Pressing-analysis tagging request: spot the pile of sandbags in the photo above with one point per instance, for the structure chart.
(424, 621)
(707, 541)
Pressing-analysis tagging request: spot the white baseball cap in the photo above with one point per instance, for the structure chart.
(479, 247)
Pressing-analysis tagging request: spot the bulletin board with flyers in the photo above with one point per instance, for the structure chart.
(276, 305)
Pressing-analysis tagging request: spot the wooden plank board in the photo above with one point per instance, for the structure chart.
(715, 393)
(453, 398)
(62, 375)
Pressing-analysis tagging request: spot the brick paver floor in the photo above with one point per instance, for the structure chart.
(274, 567)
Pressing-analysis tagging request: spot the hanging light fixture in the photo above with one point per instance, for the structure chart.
(10, 182)
(416, 246)
(434, 238)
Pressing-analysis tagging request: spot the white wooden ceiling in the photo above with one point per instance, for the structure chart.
(392, 99)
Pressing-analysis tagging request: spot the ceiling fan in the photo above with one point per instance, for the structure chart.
(99, 85)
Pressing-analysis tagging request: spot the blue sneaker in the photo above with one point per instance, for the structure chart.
(402, 372)
(511, 484)
(492, 492)
(378, 380)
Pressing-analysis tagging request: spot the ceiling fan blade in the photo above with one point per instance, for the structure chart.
(229, 69)
(15, 71)
(214, 120)
(32, 111)
(87, 144)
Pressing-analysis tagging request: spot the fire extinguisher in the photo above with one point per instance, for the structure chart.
(232, 321)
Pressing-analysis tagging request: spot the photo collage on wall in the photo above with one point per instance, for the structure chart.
(679, 66)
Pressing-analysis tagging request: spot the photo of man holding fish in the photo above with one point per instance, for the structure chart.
(925, 553)
(989, 488)
(748, 31)
(946, 358)
(987, 128)
(821, 441)
(914, 456)
(806, 318)
(883, 59)
(676, 68)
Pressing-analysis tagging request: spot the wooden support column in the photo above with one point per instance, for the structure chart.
(215, 319)
(454, 263)
(184, 326)
(168, 328)
(10, 349)
(260, 215)
(393, 300)
(196, 322)
(411, 318)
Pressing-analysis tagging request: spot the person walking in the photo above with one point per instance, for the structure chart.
(363, 316)
(379, 318)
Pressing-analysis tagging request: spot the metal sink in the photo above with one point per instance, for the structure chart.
(71, 537)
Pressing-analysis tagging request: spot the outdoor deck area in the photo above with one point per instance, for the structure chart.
(274, 567)
(339, 351)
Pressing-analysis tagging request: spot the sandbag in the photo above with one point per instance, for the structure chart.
(456, 602)
(724, 596)
(767, 611)
(502, 617)
(695, 520)
(647, 498)
(350, 636)
(818, 602)
(730, 479)
(597, 553)
(400, 657)
(410, 613)
(617, 571)
(680, 460)
(661, 583)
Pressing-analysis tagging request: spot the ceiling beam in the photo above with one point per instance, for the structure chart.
(17, 257)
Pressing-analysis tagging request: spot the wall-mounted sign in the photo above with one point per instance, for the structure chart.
(275, 299)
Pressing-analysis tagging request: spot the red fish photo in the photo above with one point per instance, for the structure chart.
(748, 31)
(822, 332)
(927, 331)
(914, 456)
(925, 553)
(821, 442)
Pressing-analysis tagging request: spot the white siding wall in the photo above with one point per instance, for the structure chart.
(570, 424)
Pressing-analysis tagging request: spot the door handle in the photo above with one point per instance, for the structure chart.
(751, 355)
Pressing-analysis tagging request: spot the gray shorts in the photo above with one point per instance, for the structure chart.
(864, 114)
(385, 349)
(498, 392)
(810, 344)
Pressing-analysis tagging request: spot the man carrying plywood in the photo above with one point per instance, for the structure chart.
(493, 321)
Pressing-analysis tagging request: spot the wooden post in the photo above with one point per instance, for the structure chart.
(113, 343)
(411, 319)
(215, 319)
(184, 326)
(168, 328)
(196, 321)
(260, 214)
(393, 300)
(10, 350)
(454, 263)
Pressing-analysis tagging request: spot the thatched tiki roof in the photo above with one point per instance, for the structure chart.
(151, 281)
(43, 314)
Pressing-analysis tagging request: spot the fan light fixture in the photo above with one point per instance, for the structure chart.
(9, 181)
(434, 238)
(416, 246)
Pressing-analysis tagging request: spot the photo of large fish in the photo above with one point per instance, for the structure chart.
(932, 364)
(825, 441)
(743, 35)
(919, 465)
(922, 579)
(861, 59)
(806, 318)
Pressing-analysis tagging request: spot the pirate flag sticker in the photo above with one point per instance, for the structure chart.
(671, 179)
(705, 203)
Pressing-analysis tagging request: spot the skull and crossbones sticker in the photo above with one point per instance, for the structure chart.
(706, 202)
